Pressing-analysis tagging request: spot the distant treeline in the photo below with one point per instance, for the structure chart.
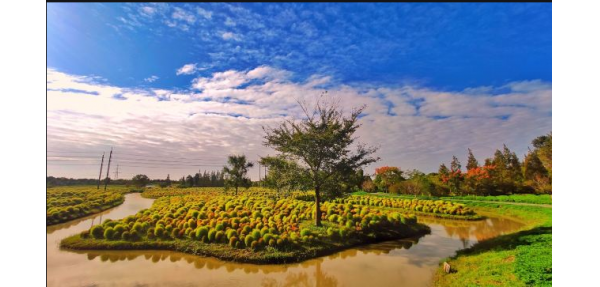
(502, 174)
(63, 181)
(206, 179)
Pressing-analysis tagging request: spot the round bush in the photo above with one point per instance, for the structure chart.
(159, 232)
(232, 241)
(248, 240)
(211, 235)
(137, 227)
(97, 231)
(109, 233)
(219, 236)
(201, 232)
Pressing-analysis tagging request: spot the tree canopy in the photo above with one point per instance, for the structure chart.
(321, 142)
(235, 172)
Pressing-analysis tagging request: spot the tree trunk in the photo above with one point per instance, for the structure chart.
(318, 207)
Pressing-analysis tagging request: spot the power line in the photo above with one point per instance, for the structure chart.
(130, 159)
(71, 162)
(135, 155)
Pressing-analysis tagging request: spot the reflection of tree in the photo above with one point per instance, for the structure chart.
(321, 278)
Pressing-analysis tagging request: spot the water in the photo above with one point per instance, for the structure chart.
(409, 262)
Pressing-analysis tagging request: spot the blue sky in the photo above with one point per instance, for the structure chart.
(420, 67)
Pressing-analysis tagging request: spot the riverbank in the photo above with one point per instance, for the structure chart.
(523, 258)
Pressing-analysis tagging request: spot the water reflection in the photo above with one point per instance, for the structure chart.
(212, 264)
(408, 262)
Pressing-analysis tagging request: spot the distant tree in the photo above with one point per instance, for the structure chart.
(197, 179)
(535, 174)
(321, 143)
(168, 181)
(235, 172)
(386, 176)
(189, 181)
(543, 148)
(140, 180)
(417, 183)
(455, 176)
(367, 185)
(471, 161)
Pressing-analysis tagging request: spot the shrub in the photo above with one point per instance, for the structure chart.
(248, 240)
(211, 235)
(109, 233)
(232, 241)
(201, 232)
(159, 232)
(219, 236)
(97, 231)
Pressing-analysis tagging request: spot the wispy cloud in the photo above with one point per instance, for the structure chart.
(204, 13)
(189, 69)
(230, 36)
(415, 126)
(151, 79)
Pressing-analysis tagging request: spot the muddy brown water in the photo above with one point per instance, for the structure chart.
(409, 262)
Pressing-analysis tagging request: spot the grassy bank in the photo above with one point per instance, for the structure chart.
(513, 198)
(518, 198)
(523, 258)
(65, 203)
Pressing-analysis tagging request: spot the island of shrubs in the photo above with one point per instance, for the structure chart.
(252, 228)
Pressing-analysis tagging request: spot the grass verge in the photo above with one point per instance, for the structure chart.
(523, 258)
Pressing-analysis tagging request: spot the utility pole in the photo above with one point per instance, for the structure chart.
(117, 173)
(100, 175)
(108, 169)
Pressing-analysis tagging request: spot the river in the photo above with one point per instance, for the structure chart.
(410, 262)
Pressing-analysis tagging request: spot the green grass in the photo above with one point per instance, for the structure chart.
(516, 198)
(519, 198)
(523, 258)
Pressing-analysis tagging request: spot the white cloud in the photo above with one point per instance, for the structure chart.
(151, 79)
(229, 22)
(147, 10)
(189, 69)
(415, 127)
(204, 13)
(182, 15)
(230, 36)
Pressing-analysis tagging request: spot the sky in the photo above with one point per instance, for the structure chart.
(176, 88)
